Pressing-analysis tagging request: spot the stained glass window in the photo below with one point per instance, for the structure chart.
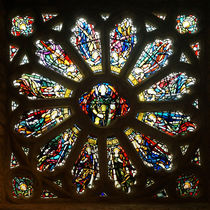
(54, 57)
(153, 58)
(13, 161)
(184, 149)
(58, 27)
(36, 86)
(188, 186)
(161, 194)
(86, 168)
(14, 105)
(152, 153)
(197, 159)
(184, 59)
(87, 42)
(46, 194)
(171, 123)
(171, 87)
(55, 152)
(195, 104)
(12, 52)
(24, 60)
(22, 187)
(22, 26)
(35, 122)
(104, 106)
(120, 168)
(186, 24)
(122, 40)
(46, 17)
(150, 27)
(196, 48)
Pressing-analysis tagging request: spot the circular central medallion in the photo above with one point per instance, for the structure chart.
(103, 104)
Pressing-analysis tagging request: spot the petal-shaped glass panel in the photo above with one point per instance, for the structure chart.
(153, 153)
(172, 87)
(54, 57)
(120, 168)
(171, 123)
(122, 40)
(153, 58)
(36, 86)
(56, 151)
(86, 168)
(35, 122)
(87, 42)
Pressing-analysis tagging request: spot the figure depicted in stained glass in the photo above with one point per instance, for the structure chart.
(103, 104)
(186, 24)
(36, 86)
(120, 168)
(153, 58)
(172, 87)
(46, 17)
(153, 153)
(55, 58)
(122, 40)
(35, 122)
(197, 158)
(86, 168)
(12, 52)
(87, 42)
(22, 187)
(56, 151)
(171, 123)
(46, 194)
(13, 161)
(196, 49)
(22, 26)
(188, 186)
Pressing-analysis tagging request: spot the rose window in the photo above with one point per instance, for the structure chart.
(98, 107)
